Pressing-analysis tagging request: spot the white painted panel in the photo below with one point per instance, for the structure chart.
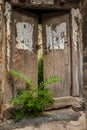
(24, 36)
(56, 37)
(8, 23)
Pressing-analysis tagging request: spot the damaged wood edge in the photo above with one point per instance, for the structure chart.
(4, 61)
(18, 6)
(76, 103)
(76, 19)
(8, 29)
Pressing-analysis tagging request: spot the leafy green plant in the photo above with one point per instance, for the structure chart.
(34, 100)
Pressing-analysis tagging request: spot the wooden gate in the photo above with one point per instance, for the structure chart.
(57, 55)
(24, 47)
(59, 49)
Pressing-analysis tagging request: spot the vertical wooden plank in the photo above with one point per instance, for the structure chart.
(0, 46)
(8, 14)
(5, 36)
(67, 60)
(4, 62)
(80, 53)
(57, 52)
(25, 58)
(76, 17)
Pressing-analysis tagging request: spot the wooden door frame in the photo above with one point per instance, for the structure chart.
(76, 52)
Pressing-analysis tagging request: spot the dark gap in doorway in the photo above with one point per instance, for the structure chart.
(40, 51)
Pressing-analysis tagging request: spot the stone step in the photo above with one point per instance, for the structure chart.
(40, 123)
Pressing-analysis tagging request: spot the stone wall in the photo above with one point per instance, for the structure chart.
(85, 48)
(60, 121)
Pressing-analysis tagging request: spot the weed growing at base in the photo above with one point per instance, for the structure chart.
(34, 100)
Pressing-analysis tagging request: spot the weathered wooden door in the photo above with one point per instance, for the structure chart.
(57, 55)
(24, 47)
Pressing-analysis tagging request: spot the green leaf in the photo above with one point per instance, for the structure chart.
(49, 81)
(23, 77)
(35, 100)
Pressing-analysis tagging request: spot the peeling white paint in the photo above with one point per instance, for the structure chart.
(49, 36)
(56, 37)
(42, 1)
(76, 18)
(24, 36)
(8, 18)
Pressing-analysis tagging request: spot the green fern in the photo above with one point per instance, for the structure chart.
(23, 77)
(50, 80)
(36, 99)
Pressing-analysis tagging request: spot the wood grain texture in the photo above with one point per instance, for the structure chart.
(24, 60)
(57, 61)
(76, 52)
(63, 102)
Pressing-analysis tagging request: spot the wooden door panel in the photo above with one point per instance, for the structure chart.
(24, 46)
(57, 56)
(77, 74)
